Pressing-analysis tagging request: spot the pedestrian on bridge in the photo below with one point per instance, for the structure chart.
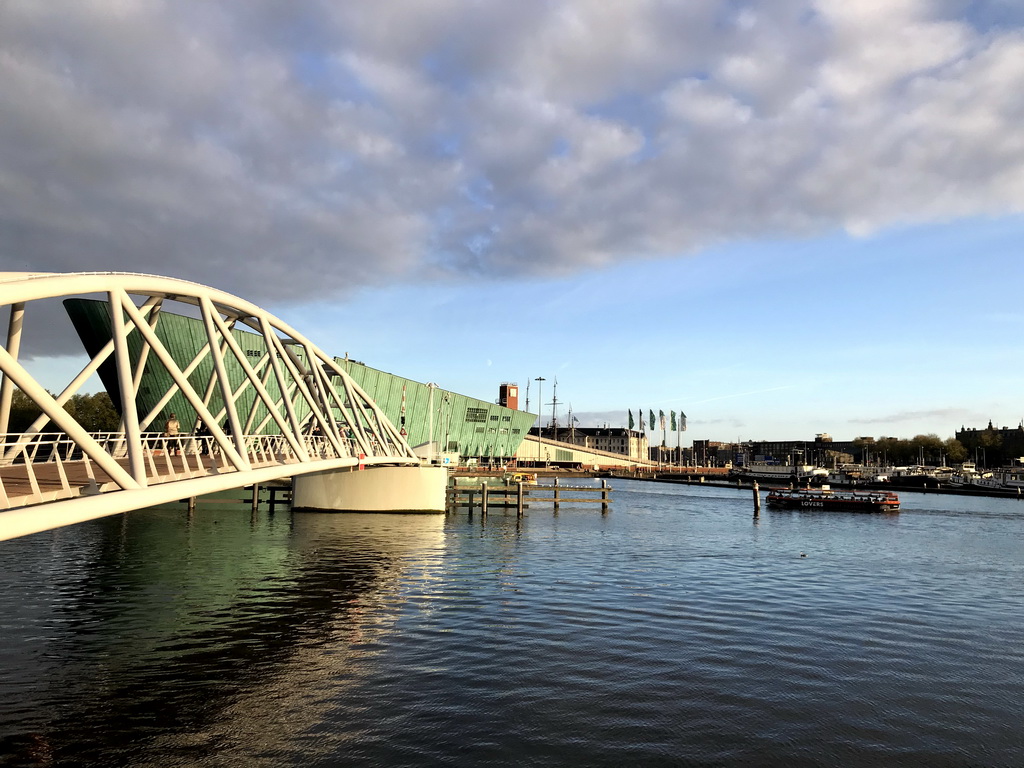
(172, 429)
(205, 437)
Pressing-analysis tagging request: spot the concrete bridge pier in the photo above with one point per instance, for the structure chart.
(374, 489)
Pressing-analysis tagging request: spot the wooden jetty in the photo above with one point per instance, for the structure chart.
(521, 495)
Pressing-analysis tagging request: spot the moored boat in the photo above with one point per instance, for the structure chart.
(797, 474)
(505, 479)
(827, 500)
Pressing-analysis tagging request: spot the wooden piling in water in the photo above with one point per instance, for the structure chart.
(515, 495)
(757, 500)
(273, 501)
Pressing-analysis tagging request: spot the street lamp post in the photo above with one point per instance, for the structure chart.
(431, 386)
(446, 420)
(540, 383)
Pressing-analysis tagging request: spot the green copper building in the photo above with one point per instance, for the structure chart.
(457, 424)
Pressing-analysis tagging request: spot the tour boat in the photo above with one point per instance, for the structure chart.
(827, 500)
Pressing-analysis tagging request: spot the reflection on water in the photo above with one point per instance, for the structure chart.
(195, 634)
(675, 629)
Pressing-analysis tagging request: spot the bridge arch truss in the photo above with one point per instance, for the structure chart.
(294, 410)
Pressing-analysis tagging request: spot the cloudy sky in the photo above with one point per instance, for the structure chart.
(782, 218)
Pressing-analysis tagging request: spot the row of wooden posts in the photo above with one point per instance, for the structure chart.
(273, 501)
(516, 495)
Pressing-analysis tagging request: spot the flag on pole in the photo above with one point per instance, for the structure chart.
(652, 420)
(672, 423)
(682, 421)
(640, 415)
(661, 420)
(630, 419)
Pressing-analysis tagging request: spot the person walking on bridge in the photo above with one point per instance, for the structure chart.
(172, 429)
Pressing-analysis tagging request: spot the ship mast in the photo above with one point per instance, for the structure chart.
(554, 402)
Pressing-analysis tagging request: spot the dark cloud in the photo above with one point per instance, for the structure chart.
(293, 150)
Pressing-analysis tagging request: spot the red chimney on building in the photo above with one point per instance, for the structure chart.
(508, 396)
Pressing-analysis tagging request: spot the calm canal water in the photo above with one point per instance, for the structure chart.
(675, 630)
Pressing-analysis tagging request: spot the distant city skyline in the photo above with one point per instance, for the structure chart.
(782, 220)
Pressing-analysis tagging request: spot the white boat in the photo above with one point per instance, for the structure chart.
(1005, 479)
(1012, 478)
(779, 473)
(858, 474)
(965, 475)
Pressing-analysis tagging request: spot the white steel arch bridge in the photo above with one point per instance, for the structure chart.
(304, 413)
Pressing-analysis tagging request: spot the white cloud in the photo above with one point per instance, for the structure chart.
(311, 148)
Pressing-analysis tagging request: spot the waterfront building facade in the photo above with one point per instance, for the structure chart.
(993, 446)
(823, 451)
(712, 453)
(458, 425)
(547, 453)
(627, 442)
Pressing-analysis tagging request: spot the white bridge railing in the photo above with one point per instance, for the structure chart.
(48, 467)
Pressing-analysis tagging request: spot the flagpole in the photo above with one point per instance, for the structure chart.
(682, 428)
(661, 423)
(640, 444)
(679, 452)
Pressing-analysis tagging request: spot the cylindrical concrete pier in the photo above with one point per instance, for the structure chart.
(374, 489)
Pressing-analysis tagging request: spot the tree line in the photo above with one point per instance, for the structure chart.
(96, 413)
(929, 449)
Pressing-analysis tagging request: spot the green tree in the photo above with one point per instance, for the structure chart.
(863, 448)
(23, 412)
(95, 413)
(955, 451)
(893, 451)
(929, 447)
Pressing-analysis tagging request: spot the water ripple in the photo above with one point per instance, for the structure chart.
(673, 630)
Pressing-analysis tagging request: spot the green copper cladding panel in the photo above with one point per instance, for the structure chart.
(184, 337)
(461, 424)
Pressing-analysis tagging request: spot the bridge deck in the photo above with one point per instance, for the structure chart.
(75, 478)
